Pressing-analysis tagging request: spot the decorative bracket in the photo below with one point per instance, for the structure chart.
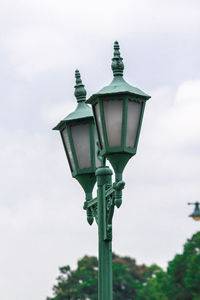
(91, 207)
(112, 197)
(109, 195)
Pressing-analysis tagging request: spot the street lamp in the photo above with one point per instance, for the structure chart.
(118, 110)
(118, 113)
(79, 138)
(196, 213)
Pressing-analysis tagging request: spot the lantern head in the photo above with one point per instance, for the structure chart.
(79, 138)
(196, 213)
(118, 110)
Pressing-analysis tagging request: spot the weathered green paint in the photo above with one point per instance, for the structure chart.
(118, 89)
(82, 115)
(82, 111)
(118, 85)
(117, 61)
(105, 246)
(109, 194)
(118, 162)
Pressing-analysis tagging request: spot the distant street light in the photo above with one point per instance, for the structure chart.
(110, 130)
(196, 213)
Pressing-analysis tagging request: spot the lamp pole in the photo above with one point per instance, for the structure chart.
(108, 131)
(103, 174)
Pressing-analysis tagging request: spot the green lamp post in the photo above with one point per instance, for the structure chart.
(118, 112)
(196, 213)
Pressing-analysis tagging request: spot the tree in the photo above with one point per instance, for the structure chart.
(153, 287)
(181, 281)
(192, 274)
(127, 277)
(82, 283)
(184, 272)
(78, 284)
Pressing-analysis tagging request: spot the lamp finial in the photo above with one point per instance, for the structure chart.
(117, 61)
(80, 92)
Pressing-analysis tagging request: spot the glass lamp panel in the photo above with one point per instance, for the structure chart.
(68, 148)
(97, 161)
(98, 122)
(113, 118)
(133, 119)
(81, 139)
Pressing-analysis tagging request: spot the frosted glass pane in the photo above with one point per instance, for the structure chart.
(133, 118)
(68, 148)
(97, 162)
(81, 139)
(98, 121)
(113, 120)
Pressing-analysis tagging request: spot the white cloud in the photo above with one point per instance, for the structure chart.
(45, 35)
(42, 222)
(52, 114)
(42, 215)
(180, 126)
(162, 178)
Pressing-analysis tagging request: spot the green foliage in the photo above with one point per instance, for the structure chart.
(78, 284)
(184, 272)
(192, 257)
(181, 280)
(82, 283)
(127, 277)
(152, 288)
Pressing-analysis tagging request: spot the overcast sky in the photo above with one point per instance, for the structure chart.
(42, 223)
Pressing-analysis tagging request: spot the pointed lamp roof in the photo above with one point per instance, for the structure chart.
(82, 110)
(118, 84)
